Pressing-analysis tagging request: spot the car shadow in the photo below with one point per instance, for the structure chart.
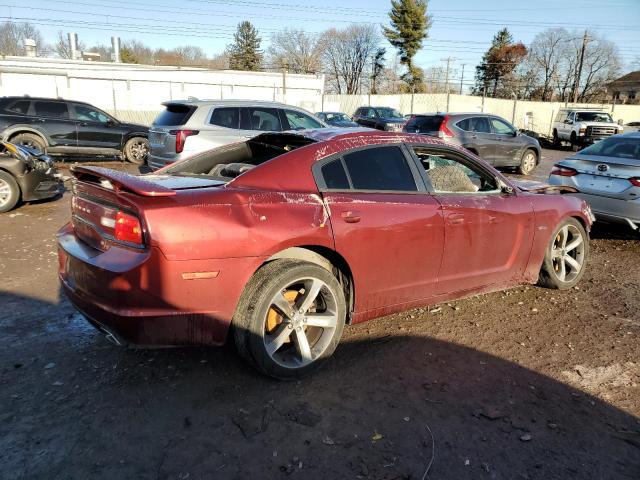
(612, 231)
(75, 406)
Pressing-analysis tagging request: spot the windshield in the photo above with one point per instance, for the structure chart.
(337, 117)
(388, 113)
(593, 117)
(619, 147)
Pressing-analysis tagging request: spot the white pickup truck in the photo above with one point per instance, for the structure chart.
(583, 127)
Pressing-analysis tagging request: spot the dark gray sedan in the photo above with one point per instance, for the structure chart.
(607, 176)
(337, 119)
(490, 137)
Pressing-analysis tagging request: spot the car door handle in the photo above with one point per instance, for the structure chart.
(456, 218)
(350, 216)
(41, 120)
(474, 136)
(83, 124)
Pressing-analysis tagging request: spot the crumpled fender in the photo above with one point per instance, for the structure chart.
(531, 186)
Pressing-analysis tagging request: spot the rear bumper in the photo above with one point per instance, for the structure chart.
(140, 298)
(155, 162)
(613, 210)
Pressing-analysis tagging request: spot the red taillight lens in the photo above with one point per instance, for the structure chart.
(443, 131)
(127, 229)
(563, 171)
(635, 181)
(181, 137)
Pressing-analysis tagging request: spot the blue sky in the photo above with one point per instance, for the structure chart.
(461, 28)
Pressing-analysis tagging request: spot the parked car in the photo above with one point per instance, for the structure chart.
(583, 127)
(25, 175)
(287, 244)
(337, 119)
(607, 176)
(380, 118)
(188, 127)
(70, 128)
(490, 137)
(632, 127)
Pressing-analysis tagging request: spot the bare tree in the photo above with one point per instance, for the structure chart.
(13, 35)
(346, 53)
(295, 50)
(544, 61)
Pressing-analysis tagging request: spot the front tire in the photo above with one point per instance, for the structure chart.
(9, 192)
(136, 150)
(565, 257)
(290, 318)
(528, 162)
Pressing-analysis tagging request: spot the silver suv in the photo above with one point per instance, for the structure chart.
(187, 127)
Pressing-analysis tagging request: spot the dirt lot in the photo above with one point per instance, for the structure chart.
(523, 384)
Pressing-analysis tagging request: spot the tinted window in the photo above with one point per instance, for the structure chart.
(174, 115)
(464, 124)
(226, 117)
(383, 168)
(89, 114)
(21, 107)
(501, 128)
(52, 109)
(480, 125)
(619, 147)
(334, 176)
(300, 121)
(263, 119)
(423, 124)
(388, 113)
(593, 117)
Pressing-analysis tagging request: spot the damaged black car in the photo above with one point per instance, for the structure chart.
(25, 176)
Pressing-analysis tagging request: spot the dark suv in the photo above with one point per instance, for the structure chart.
(381, 118)
(61, 127)
(490, 137)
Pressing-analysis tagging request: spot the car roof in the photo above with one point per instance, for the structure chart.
(231, 103)
(40, 99)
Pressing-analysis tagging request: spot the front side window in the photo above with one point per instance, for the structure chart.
(226, 117)
(380, 168)
(300, 121)
(449, 173)
(501, 127)
(88, 114)
(52, 109)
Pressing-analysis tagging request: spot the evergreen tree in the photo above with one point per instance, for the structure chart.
(245, 53)
(409, 28)
(498, 63)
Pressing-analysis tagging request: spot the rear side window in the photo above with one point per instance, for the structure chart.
(21, 107)
(174, 115)
(335, 176)
(262, 119)
(52, 109)
(422, 124)
(226, 117)
(381, 168)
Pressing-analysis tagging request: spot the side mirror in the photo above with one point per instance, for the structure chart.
(620, 121)
(568, 122)
(516, 132)
(504, 188)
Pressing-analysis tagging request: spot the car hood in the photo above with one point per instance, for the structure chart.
(344, 123)
(134, 126)
(531, 186)
(598, 124)
(392, 120)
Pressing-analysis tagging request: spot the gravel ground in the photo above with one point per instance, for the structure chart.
(524, 384)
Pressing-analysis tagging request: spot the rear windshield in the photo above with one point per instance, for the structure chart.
(386, 112)
(618, 147)
(174, 115)
(422, 124)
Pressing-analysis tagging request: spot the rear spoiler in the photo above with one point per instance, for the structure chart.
(120, 181)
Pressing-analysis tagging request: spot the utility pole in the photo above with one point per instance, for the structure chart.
(372, 88)
(576, 85)
(446, 82)
(461, 79)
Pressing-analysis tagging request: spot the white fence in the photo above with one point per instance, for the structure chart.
(135, 92)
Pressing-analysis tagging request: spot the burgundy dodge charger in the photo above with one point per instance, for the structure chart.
(283, 239)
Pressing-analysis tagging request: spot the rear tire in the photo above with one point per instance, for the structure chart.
(30, 140)
(566, 256)
(136, 150)
(528, 162)
(289, 319)
(9, 192)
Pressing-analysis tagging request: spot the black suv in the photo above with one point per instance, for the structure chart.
(381, 118)
(61, 127)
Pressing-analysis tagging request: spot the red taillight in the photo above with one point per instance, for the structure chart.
(181, 137)
(635, 181)
(127, 229)
(563, 171)
(443, 131)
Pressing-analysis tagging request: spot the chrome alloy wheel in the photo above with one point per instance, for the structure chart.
(568, 253)
(5, 193)
(300, 323)
(529, 162)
